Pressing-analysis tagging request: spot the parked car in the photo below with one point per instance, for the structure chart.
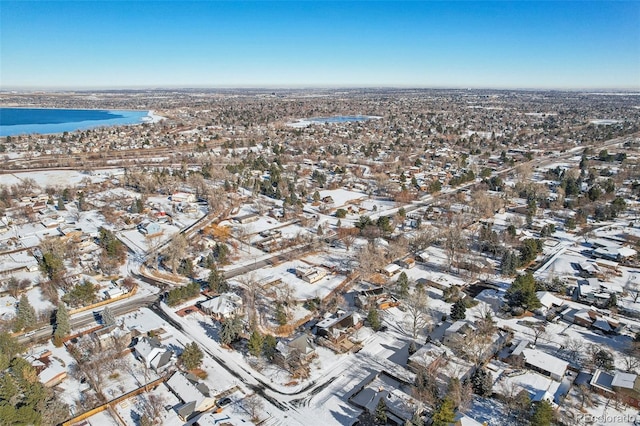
(223, 402)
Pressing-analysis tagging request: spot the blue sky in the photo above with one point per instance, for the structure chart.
(503, 44)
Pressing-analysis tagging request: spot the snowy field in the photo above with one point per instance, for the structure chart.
(58, 178)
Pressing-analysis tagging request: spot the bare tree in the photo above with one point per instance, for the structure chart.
(417, 316)
(370, 260)
(251, 290)
(348, 236)
(152, 406)
(574, 348)
(453, 239)
(398, 248)
(539, 331)
(153, 245)
(285, 295)
(632, 286)
(253, 404)
(586, 396)
(422, 240)
(175, 251)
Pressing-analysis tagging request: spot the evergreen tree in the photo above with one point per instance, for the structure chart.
(108, 318)
(444, 414)
(402, 285)
(613, 301)
(231, 328)
(186, 268)
(481, 382)
(269, 346)
(381, 412)
(510, 263)
(384, 224)
(191, 357)
(63, 326)
(26, 315)
(529, 250)
(217, 282)
(9, 348)
(542, 414)
(61, 204)
(280, 314)
(458, 310)
(255, 343)
(374, 319)
(522, 292)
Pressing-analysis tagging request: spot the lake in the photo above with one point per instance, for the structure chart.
(20, 121)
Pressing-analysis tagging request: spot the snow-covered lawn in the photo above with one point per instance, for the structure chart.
(302, 290)
(58, 178)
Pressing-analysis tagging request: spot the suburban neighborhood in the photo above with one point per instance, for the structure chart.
(319, 257)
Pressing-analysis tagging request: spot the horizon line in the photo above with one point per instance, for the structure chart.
(306, 87)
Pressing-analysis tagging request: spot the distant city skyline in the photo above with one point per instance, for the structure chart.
(145, 44)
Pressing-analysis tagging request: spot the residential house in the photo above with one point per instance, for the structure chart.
(625, 386)
(310, 274)
(407, 262)
(247, 218)
(183, 197)
(334, 325)
(442, 362)
(544, 363)
(395, 392)
(223, 306)
(154, 355)
(298, 351)
(615, 253)
(462, 337)
(376, 296)
(513, 354)
(194, 395)
(391, 269)
(114, 335)
(149, 228)
(549, 300)
(51, 371)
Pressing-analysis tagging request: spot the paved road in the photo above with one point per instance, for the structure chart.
(84, 319)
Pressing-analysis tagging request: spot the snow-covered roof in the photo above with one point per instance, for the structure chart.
(225, 304)
(464, 420)
(391, 268)
(545, 362)
(626, 252)
(624, 380)
(459, 326)
(188, 389)
(548, 299)
(152, 351)
(602, 325)
(522, 345)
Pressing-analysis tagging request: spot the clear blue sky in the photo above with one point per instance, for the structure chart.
(506, 44)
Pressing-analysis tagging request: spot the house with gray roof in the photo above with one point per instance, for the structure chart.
(194, 395)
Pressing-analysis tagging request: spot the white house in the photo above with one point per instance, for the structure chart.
(544, 363)
(183, 197)
(224, 306)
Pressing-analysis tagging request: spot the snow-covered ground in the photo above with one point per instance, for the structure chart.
(58, 178)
